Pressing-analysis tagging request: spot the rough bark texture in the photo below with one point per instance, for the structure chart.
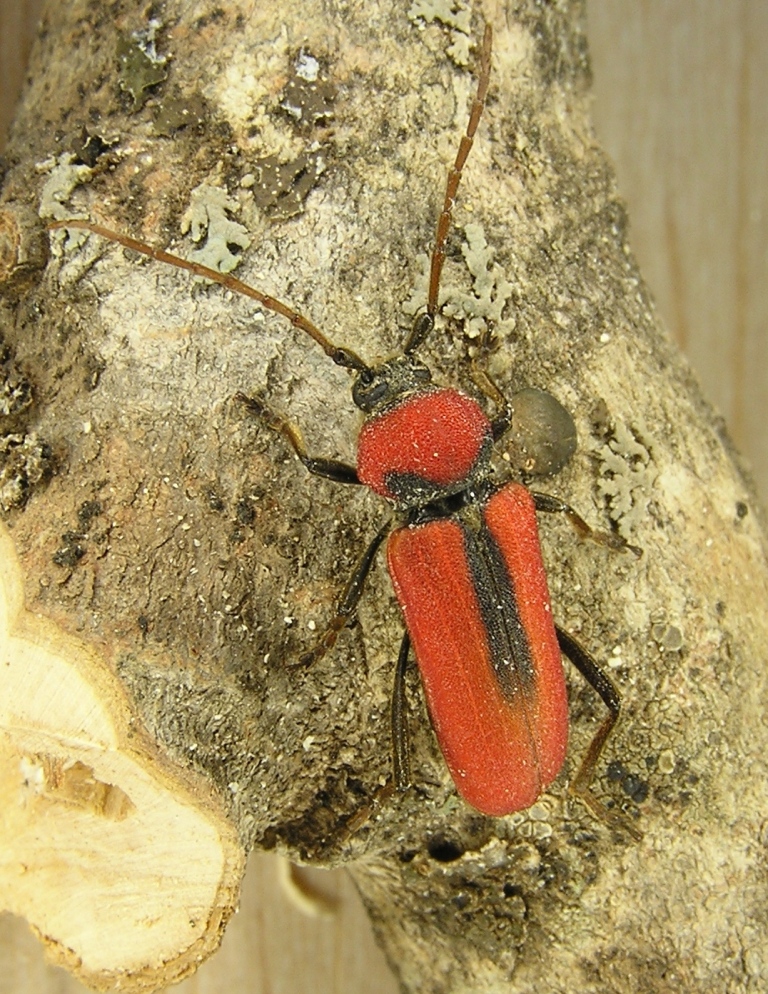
(190, 554)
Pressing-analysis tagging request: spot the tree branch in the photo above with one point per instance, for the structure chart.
(173, 558)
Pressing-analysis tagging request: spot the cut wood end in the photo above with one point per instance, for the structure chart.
(126, 867)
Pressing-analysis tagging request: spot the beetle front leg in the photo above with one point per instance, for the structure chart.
(504, 412)
(597, 679)
(545, 502)
(330, 469)
(349, 600)
(339, 472)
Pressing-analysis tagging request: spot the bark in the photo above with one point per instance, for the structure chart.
(166, 559)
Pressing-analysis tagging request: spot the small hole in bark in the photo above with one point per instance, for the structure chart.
(444, 850)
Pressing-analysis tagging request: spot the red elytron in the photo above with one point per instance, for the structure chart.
(465, 559)
(475, 601)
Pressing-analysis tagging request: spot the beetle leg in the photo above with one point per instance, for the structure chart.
(330, 469)
(401, 758)
(504, 413)
(597, 679)
(545, 502)
(349, 600)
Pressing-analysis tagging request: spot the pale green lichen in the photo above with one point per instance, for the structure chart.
(208, 219)
(627, 475)
(64, 176)
(480, 306)
(453, 14)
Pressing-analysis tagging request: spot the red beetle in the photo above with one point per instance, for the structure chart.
(465, 560)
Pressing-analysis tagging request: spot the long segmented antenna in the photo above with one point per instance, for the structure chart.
(454, 176)
(341, 356)
(425, 322)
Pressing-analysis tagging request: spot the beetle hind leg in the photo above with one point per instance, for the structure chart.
(582, 783)
(401, 758)
(401, 753)
(549, 504)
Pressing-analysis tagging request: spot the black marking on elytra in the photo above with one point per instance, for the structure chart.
(508, 643)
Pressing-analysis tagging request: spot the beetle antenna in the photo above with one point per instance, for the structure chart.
(341, 356)
(423, 327)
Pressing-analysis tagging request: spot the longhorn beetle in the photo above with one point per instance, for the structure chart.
(464, 556)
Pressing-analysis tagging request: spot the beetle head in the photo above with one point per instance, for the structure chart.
(379, 386)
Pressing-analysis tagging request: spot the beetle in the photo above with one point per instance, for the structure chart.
(464, 554)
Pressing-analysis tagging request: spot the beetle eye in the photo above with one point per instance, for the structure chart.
(369, 391)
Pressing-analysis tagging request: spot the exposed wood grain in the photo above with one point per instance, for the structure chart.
(271, 947)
